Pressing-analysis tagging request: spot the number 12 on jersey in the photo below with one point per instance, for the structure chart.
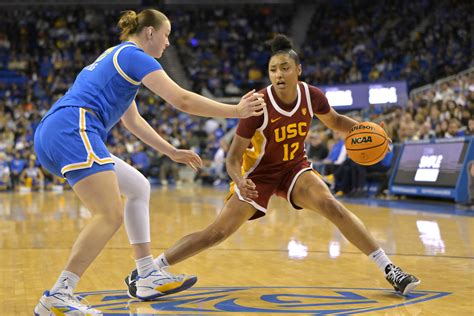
(286, 150)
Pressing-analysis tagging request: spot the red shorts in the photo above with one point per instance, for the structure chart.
(280, 184)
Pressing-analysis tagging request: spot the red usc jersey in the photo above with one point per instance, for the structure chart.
(278, 136)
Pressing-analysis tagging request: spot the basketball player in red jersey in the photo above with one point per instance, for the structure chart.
(267, 157)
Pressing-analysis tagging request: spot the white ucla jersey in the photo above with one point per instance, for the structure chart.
(109, 85)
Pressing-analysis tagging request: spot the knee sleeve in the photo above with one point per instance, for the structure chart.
(136, 188)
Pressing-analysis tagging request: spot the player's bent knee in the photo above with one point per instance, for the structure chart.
(143, 184)
(114, 217)
(141, 188)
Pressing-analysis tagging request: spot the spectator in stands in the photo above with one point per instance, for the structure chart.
(453, 129)
(470, 127)
(168, 171)
(317, 148)
(337, 155)
(407, 128)
(55, 183)
(17, 164)
(217, 168)
(32, 176)
(359, 175)
(4, 172)
(425, 132)
(441, 129)
(140, 160)
(6, 140)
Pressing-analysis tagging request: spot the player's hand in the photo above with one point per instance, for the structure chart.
(251, 104)
(247, 189)
(187, 157)
(382, 125)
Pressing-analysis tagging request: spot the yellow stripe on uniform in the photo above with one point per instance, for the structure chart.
(253, 156)
(91, 156)
(103, 160)
(119, 69)
(77, 166)
(82, 130)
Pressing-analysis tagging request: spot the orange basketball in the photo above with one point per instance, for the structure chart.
(366, 143)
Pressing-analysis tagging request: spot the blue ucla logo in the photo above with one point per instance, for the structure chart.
(267, 300)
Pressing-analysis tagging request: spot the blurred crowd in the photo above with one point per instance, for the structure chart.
(444, 110)
(224, 52)
(417, 41)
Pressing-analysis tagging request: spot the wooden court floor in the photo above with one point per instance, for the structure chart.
(289, 262)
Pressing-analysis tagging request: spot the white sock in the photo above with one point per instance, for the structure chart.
(66, 279)
(380, 259)
(145, 266)
(161, 261)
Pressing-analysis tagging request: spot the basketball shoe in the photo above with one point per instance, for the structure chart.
(157, 283)
(63, 302)
(402, 282)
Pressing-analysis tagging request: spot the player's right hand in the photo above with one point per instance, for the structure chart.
(187, 157)
(247, 189)
(251, 104)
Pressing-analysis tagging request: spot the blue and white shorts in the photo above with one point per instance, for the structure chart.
(70, 143)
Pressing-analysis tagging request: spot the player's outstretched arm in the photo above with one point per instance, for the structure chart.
(336, 121)
(139, 127)
(160, 83)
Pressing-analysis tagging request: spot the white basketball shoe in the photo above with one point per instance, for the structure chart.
(159, 283)
(63, 302)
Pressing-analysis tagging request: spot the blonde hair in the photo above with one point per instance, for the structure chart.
(132, 23)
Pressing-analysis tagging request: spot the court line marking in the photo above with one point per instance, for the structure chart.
(265, 250)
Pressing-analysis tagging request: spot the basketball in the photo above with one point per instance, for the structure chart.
(366, 143)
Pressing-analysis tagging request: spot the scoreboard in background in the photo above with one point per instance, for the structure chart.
(436, 168)
(357, 96)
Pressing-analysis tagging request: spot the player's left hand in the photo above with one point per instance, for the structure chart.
(187, 157)
(251, 104)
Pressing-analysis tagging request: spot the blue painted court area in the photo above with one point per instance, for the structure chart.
(264, 299)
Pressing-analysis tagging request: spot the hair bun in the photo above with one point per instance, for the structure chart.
(128, 21)
(280, 42)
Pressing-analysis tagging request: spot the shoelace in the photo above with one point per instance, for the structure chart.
(74, 300)
(170, 275)
(397, 275)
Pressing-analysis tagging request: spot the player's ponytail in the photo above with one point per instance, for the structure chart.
(281, 44)
(131, 23)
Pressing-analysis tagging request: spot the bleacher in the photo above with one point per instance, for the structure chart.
(223, 53)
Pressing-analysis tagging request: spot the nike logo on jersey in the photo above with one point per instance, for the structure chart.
(275, 119)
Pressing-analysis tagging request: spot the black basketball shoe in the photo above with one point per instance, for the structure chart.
(402, 282)
(131, 282)
(158, 283)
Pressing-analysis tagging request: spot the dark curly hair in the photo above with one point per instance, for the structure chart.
(281, 44)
